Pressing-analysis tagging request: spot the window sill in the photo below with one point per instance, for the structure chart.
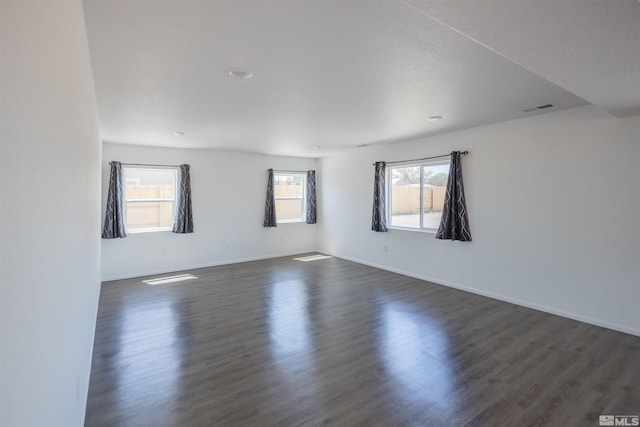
(292, 221)
(416, 230)
(149, 230)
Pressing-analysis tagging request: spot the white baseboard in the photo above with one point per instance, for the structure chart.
(196, 266)
(543, 308)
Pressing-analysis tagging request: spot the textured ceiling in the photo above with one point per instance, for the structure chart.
(589, 47)
(337, 74)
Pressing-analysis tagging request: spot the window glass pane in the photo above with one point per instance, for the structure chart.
(149, 215)
(288, 209)
(405, 196)
(150, 176)
(435, 187)
(288, 186)
(150, 196)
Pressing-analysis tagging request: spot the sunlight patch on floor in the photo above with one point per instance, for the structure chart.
(312, 258)
(169, 279)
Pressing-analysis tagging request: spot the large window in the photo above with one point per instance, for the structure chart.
(150, 198)
(417, 195)
(289, 192)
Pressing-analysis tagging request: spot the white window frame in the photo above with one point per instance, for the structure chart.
(176, 174)
(303, 218)
(421, 165)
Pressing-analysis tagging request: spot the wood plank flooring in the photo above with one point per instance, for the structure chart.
(330, 342)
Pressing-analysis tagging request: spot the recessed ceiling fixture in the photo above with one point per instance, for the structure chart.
(434, 118)
(239, 73)
(178, 133)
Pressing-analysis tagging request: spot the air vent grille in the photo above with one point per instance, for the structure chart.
(539, 107)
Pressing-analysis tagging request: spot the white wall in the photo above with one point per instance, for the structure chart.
(554, 209)
(228, 191)
(49, 187)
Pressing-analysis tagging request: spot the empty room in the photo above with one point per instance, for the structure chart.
(320, 213)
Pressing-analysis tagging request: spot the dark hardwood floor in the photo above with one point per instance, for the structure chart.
(330, 342)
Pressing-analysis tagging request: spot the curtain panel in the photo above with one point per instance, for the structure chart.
(270, 204)
(183, 222)
(114, 214)
(379, 216)
(454, 224)
(312, 214)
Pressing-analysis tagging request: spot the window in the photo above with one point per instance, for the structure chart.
(417, 195)
(289, 193)
(150, 198)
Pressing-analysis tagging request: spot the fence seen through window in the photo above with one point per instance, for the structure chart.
(416, 195)
(289, 194)
(150, 196)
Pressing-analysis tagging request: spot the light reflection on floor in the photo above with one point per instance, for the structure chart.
(415, 352)
(288, 318)
(148, 329)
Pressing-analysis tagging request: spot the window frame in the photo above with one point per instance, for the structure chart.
(389, 190)
(303, 197)
(176, 176)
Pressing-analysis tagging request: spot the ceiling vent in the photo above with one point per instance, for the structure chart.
(539, 107)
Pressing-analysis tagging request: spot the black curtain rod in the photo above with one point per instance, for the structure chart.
(464, 153)
(147, 164)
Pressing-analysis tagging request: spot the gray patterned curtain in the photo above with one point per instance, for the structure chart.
(183, 222)
(114, 218)
(270, 205)
(311, 197)
(379, 217)
(454, 224)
